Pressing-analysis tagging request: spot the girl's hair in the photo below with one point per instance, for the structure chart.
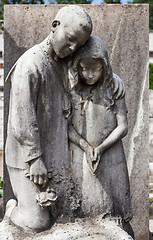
(94, 48)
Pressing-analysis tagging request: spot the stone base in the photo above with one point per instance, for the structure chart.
(83, 229)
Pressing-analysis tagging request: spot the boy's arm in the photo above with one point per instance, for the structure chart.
(119, 132)
(25, 85)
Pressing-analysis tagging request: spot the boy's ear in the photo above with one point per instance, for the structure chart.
(55, 24)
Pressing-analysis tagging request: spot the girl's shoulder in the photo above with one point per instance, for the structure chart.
(120, 105)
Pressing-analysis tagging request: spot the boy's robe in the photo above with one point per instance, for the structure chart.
(36, 123)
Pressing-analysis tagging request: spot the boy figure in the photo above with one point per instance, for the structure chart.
(36, 141)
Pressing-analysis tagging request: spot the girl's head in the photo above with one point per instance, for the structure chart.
(90, 70)
(91, 64)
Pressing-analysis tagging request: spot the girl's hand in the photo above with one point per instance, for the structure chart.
(98, 151)
(87, 148)
(90, 152)
(89, 157)
(97, 154)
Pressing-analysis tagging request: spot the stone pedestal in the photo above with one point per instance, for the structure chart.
(84, 229)
(124, 30)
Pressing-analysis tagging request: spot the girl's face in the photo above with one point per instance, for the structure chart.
(90, 70)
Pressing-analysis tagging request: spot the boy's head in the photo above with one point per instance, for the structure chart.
(70, 30)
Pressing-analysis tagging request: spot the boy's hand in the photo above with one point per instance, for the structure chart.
(119, 88)
(38, 172)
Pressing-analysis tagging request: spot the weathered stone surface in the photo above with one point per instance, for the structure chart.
(1, 101)
(1, 209)
(125, 34)
(151, 127)
(86, 229)
(151, 159)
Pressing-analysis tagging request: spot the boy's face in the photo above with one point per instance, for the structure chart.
(90, 70)
(67, 39)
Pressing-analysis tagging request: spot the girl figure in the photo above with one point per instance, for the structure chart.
(96, 127)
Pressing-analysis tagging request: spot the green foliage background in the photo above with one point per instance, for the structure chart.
(151, 76)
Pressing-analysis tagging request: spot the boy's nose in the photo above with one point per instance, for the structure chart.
(73, 46)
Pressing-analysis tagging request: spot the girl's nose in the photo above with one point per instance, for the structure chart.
(90, 74)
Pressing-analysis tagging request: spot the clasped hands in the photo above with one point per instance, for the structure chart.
(93, 154)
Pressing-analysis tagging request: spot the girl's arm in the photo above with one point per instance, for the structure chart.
(118, 133)
(83, 144)
(80, 141)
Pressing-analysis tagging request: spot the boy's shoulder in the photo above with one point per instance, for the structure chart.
(28, 60)
(31, 55)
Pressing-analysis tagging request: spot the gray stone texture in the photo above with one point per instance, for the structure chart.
(124, 30)
(151, 159)
(1, 98)
(84, 229)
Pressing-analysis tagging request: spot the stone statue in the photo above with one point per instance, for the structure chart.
(36, 147)
(97, 125)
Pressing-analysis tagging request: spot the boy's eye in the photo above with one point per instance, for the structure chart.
(72, 39)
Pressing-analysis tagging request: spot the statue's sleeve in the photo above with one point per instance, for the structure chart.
(25, 83)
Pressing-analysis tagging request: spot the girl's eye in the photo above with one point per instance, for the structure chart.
(98, 68)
